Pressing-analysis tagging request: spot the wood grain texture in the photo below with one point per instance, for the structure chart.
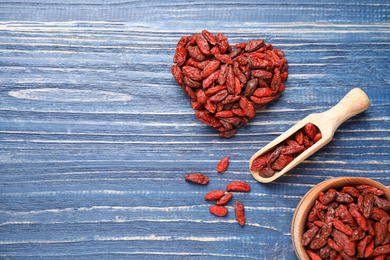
(96, 136)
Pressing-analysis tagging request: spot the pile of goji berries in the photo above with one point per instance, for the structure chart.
(284, 153)
(349, 224)
(227, 84)
(220, 196)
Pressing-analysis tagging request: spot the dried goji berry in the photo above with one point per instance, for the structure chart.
(207, 118)
(282, 161)
(311, 130)
(192, 73)
(380, 257)
(210, 106)
(224, 113)
(202, 44)
(228, 133)
(317, 242)
(210, 68)
(195, 53)
(209, 37)
(334, 245)
(292, 147)
(240, 214)
(381, 203)
(238, 186)
(260, 162)
(240, 45)
(224, 58)
(224, 199)
(223, 164)
(360, 220)
(238, 73)
(238, 112)
(381, 250)
(222, 42)
(361, 246)
(247, 107)
(219, 96)
(348, 245)
(313, 255)
(251, 86)
(352, 191)
(258, 62)
(344, 197)
(230, 82)
(309, 235)
(264, 100)
(214, 195)
(197, 178)
(210, 79)
(369, 249)
(196, 105)
(180, 55)
(364, 189)
(342, 227)
(377, 214)
(237, 86)
(263, 92)
(317, 137)
(276, 80)
(266, 172)
(215, 50)
(358, 234)
(262, 74)
(380, 229)
(191, 83)
(254, 45)
(219, 211)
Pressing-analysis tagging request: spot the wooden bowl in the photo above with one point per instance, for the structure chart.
(307, 202)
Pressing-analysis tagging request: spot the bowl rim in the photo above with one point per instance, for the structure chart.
(336, 182)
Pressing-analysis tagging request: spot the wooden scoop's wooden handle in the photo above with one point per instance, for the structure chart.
(355, 102)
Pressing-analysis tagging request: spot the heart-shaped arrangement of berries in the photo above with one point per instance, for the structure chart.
(228, 83)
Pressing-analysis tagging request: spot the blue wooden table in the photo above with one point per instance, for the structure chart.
(96, 136)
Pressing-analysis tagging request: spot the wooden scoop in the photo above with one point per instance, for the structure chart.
(355, 102)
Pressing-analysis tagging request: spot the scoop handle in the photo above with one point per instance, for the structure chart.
(355, 102)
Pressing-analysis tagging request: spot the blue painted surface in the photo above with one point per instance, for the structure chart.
(96, 136)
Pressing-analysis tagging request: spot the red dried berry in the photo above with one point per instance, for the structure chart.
(210, 68)
(263, 92)
(240, 214)
(209, 37)
(311, 130)
(313, 255)
(223, 165)
(214, 195)
(264, 100)
(247, 107)
(224, 58)
(197, 178)
(224, 199)
(364, 189)
(219, 211)
(222, 42)
(317, 137)
(238, 186)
